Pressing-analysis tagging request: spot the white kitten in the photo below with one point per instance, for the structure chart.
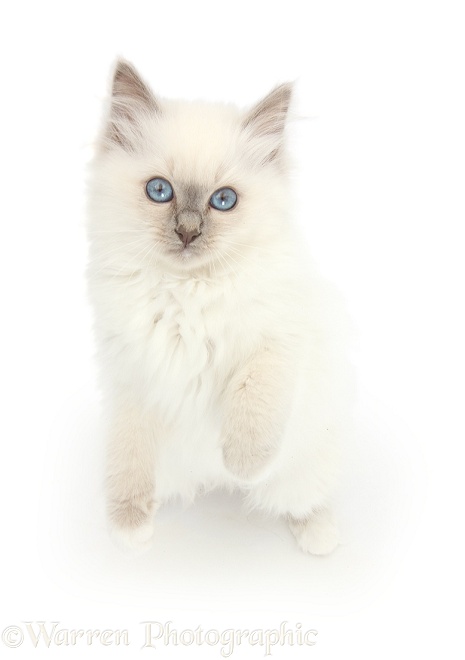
(217, 362)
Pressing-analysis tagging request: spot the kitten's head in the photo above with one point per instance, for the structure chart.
(189, 185)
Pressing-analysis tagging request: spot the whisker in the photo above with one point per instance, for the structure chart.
(246, 245)
(139, 266)
(143, 263)
(129, 261)
(133, 230)
(223, 258)
(245, 258)
(215, 262)
(102, 258)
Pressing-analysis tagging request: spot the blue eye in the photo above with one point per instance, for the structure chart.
(223, 199)
(160, 190)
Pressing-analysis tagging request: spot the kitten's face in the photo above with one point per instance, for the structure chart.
(189, 185)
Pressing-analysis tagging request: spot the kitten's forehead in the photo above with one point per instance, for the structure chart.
(198, 141)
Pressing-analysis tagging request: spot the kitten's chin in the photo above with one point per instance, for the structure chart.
(186, 260)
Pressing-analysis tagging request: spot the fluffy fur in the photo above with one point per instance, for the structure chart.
(219, 361)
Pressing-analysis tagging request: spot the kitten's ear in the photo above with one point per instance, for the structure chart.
(131, 100)
(265, 122)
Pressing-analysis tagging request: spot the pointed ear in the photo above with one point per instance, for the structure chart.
(131, 99)
(265, 122)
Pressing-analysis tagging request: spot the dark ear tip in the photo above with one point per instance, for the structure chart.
(286, 87)
(269, 115)
(284, 92)
(123, 69)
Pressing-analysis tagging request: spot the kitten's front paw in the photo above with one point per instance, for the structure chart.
(317, 534)
(132, 524)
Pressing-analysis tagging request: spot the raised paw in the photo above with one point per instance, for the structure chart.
(317, 533)
(245, 463)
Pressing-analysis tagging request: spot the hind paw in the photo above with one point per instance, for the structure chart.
(317, 534)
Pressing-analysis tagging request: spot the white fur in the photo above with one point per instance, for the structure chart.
(202, 353)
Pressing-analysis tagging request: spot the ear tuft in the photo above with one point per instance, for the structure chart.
(128, 85)
(268, 117)
(131, 98)
(264, 125)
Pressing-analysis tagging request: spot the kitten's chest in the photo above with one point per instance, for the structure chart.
(179, 325)
(190, 334)
(179, 340)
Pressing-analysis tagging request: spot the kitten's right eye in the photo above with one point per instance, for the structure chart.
(159, 190)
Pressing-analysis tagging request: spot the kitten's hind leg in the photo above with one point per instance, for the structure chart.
(316, 533)
(130, 478)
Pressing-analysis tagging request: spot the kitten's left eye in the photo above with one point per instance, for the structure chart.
(160, 190)
(223, 199)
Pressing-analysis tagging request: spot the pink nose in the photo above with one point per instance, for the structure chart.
(187, 236)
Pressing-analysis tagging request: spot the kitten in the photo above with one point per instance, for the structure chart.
(216, 359)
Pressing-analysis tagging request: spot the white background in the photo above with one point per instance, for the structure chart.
(379, 188)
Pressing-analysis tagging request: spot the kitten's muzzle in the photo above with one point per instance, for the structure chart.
(187, 235)
(188, 226)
